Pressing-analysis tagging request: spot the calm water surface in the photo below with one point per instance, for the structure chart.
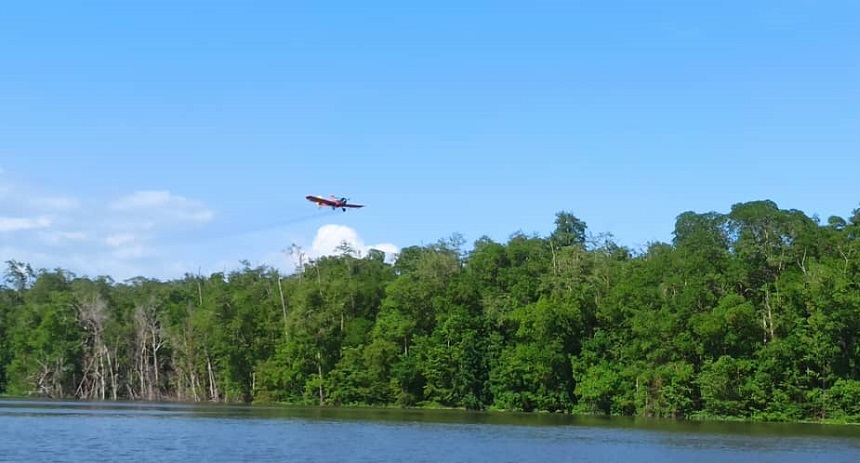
(86, 431)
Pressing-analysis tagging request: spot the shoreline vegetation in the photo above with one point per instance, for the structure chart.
(749, 315)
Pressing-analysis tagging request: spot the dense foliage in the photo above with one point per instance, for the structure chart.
(754, 314)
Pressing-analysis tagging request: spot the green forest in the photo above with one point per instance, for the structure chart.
(750, 314)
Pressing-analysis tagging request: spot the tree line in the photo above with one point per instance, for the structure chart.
(750, 314)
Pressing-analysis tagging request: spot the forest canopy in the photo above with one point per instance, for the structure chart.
(754, 313)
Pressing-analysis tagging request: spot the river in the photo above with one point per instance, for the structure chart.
(144, 432)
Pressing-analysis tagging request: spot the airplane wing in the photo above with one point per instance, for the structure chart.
(351, 205)
(319, 200)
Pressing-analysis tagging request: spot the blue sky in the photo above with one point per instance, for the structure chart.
(162, 137)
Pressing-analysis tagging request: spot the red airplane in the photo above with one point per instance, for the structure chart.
(332, 201)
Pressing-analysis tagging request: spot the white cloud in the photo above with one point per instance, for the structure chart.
(6, 190)
(329, 237)
(13, 224)
(130, 252)
(18, 196)
(56, 202)
(143, 200)
(145, 233)
(120, 239)
(63, 237)
(123, 223)
(163, 205)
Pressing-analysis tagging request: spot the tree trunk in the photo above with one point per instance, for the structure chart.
(156, 345)
(102, 383)
(283, 304)
(112, 370)
(768, 317)
(213, 387)
(319, 370)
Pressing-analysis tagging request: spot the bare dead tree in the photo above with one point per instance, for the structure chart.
(50, 378)
(186, 358)
(150, 338)
(283, 301)
(213, 385)
(296, 251)
(92, 315)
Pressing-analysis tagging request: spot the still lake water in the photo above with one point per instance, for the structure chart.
(141, 432)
